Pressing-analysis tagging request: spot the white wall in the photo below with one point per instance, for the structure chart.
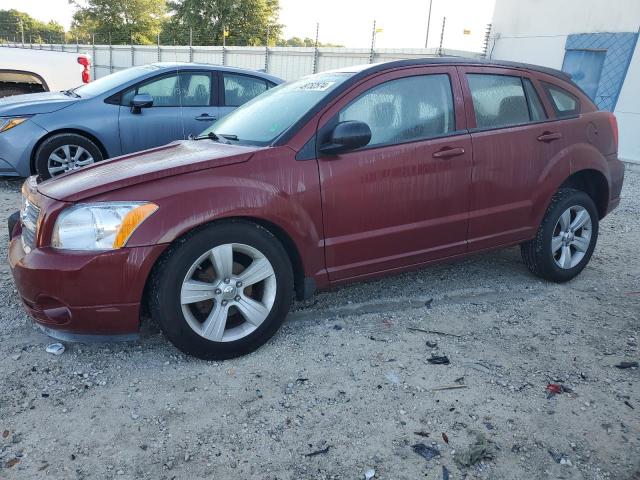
(535, 31)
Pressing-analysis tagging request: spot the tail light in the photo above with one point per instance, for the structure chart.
(86, 73)
(614, 129)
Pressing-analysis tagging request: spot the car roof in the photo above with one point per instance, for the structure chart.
(453, 61)
(219, 68)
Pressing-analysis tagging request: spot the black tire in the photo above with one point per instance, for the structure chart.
(537, 254)
(57, 141)
(171, 269)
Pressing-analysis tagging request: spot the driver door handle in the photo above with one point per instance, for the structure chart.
(205, 117)
(447, 152)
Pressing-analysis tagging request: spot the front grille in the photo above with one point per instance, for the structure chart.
(29, 218)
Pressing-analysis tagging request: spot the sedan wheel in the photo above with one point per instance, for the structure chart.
(67, 158)
(228, 292)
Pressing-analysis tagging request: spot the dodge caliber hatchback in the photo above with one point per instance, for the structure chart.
(334, 178)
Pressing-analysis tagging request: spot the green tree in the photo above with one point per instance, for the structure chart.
(303, 42)
(13, 22)
(139, 21)
(247, 21)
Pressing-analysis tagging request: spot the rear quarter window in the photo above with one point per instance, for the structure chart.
(564, 103)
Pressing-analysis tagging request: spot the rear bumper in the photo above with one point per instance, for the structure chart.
(616, 175)
(83, 293)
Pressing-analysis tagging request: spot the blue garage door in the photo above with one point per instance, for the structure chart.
(585, 68)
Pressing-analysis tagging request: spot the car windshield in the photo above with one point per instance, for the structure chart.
(265, 118)
(114, 80)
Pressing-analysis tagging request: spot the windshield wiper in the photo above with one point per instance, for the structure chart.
(70, 93)
(228, 136)
(214, 137)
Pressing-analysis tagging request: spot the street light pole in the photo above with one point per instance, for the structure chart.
(426, 41)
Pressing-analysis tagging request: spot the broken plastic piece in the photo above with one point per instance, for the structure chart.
(55, 349)
(425, 451)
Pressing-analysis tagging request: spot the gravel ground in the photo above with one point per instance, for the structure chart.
(345, 386)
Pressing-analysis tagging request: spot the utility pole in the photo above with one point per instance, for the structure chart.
(426, 41)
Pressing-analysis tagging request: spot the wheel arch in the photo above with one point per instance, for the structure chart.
(77, 131)
(304, 286)
(593, 183)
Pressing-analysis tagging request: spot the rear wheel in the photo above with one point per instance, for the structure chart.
(223, 292)
(566, 237)
(65, 152)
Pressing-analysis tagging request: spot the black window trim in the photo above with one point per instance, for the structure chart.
(223, 102)
(522, 124)
(559, 114)
(334, 120)
(116, 98)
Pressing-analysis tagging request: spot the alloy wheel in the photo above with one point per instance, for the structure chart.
(68, 157)
(228, 292)
(571, 237)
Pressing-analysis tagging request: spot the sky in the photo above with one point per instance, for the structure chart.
(347, 22)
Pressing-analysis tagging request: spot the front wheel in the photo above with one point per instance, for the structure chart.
(565, 239)
(223, 291)
(64, 152)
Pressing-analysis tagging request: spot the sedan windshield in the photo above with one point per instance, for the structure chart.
(114, 80)
(265, 118)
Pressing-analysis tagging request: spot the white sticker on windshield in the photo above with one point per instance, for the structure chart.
(317, 86)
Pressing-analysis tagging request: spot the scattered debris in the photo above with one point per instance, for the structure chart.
(481, 449)
(5, 434)
(623, 365)
(445, 438)
(369, 474)
(435, 332)
(431, 344)
(422, 433)
(438, 360)
(556, 389)
(318, 452)
(428, 303)
(626, 402)
(55, 349)
(459, 380)
(393, 378)
(337, 327)
(12, 462)
(428, 453)
(445, 473)
(448, 387)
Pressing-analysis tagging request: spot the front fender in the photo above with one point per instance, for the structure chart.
(278, 191)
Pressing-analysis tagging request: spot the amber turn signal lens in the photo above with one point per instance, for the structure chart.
(9, 123)
(131, 221)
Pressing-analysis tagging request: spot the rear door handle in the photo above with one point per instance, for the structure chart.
(205, 117)
(447, 152)
(549, 136)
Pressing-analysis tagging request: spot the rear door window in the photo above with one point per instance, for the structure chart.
(498, 100)
(406, 109)
(239, 89)
(564, 103)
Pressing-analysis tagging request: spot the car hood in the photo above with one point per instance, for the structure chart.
(173, 159)
(34, 103)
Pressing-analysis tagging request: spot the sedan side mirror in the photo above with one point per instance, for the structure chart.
(140, 101)
(347, 136)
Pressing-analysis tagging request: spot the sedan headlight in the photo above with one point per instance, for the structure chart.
(7, 123)
(99, 226)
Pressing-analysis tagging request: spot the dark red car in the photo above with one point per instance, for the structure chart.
(334, 178)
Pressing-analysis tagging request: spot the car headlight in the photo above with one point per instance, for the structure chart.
(7, 123)
(99, 226)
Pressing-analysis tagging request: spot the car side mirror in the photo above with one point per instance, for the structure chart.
(347, 136)
(140, 101)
